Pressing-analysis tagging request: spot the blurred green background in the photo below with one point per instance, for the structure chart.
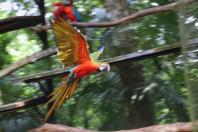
(131, 95)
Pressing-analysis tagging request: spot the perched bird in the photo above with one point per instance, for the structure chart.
(66, 10)
(72, 51)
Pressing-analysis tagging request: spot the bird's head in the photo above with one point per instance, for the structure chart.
(104, 67)
(67, 2)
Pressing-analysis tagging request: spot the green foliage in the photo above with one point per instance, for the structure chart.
(188, 25)
(100, 102)
(20, 46)
(4, 57)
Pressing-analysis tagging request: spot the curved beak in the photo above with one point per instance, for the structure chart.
(104, 68)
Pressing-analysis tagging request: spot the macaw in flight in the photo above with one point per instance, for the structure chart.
(72, 51)
(66, 10)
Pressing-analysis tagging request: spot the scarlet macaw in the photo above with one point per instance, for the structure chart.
(66, 10)
(72, 51)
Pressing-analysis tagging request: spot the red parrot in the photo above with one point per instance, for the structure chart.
(67, 11)
(72, 51)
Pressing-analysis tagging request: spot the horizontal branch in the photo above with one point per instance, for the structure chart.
(135, 16)
(18, 22)
(41, 76)
(22, 104)
(29, 59)
(175, 127)
(112, 61)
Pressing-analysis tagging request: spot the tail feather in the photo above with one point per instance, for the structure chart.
(61, 93)
(73, 88)
(63, 98)
(57, 92)
(53, 107)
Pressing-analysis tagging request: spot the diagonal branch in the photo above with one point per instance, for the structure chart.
(15, 23)
(132, 57)
(18, 22)
(30, 59)
(112, 61)
(51, 51)
(135, 16)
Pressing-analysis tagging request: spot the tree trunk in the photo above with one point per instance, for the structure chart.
(140, 108)
(43, 37)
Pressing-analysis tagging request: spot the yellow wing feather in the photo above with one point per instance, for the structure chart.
(71, 44)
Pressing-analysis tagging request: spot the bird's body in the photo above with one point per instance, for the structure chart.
(86, 69)
(72, 51)
(66, 11)
(69, 10)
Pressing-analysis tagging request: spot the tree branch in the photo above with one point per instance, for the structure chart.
(112, 61)
(132, 57)
(135, 16)
(18, 22)
(41, 76)
(30, 59)
(23, 104)
(51, 51)
(176, 127)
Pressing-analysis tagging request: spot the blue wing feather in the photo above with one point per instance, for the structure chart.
(77, 14)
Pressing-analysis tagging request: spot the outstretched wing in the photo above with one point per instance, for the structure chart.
(71, 44)
(94, 56)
